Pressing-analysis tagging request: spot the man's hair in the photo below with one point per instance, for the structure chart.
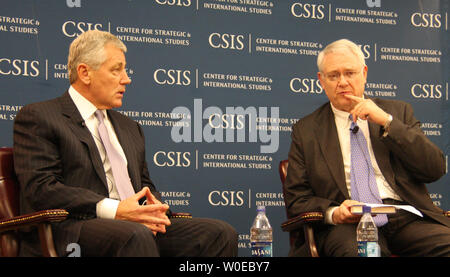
(338, 46)
(89, 48)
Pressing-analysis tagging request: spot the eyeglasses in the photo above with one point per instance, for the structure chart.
(348, 74)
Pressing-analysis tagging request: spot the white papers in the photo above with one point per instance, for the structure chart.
(408, 208)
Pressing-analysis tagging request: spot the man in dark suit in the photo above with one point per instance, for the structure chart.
(63, 161)
(402, 157)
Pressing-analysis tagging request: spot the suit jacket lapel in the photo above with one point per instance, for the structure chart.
(327, 137)
(82, 133)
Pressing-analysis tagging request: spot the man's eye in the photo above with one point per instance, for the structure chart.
(350, 73)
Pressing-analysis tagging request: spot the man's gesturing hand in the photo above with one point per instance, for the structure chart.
(152, 215)
(366, 109)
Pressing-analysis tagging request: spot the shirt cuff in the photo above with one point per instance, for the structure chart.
(107, 208)
(329, 215)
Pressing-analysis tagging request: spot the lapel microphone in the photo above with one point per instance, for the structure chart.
(355, 126)
(83, 124)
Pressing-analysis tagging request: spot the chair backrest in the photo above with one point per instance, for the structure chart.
(282, 168)
(9, 200)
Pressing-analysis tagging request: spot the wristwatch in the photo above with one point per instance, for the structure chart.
(387, 125)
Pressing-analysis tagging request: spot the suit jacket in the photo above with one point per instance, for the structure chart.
(406, 157)
(58, 164)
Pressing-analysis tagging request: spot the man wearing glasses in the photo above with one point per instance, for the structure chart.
(325, 175)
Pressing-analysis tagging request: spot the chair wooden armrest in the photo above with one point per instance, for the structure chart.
(305, 221)
(41, 220)
(297, 222)
(32, 219)
(180, 215)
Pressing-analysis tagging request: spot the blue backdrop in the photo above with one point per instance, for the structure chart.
(217, 84)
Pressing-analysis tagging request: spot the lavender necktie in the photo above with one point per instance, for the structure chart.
(118, 165)
(362, 175)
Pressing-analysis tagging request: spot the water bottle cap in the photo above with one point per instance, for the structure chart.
(260, 208)
(367, 209)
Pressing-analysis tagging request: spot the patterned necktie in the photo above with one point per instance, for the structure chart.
(118, 165)
(362, 175)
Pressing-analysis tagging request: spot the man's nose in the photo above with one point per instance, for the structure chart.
(125, 79)
(342, 80)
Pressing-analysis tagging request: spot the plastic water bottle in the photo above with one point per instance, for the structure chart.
(367, 235)
(261, 235)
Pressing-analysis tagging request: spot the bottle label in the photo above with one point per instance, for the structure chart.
(368, 249)
(261, 249)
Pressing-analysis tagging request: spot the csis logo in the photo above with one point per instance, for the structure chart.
(71, 28)
(226, 121)
(426, 20)
(366, 49)
(172, 159)
(427, 91)
(179, 3)
(226, 198)
(227, 41)
(19, 67)
(305, 85)
(308, 11)
(173, 77)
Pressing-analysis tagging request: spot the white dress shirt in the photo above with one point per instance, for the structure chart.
(107, 207)
(343, 124)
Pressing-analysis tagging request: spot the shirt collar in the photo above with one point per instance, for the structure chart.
(84, 106)
(339, 114)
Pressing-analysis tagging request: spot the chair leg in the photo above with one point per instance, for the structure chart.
(8, 244)
(46, 238)
(309, 239)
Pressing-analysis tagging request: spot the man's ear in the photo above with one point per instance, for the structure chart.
(365, 69)
(84, 73)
